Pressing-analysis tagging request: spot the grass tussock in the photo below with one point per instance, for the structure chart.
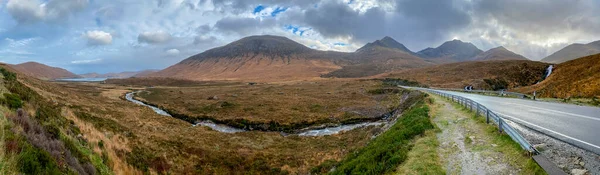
(389, 149)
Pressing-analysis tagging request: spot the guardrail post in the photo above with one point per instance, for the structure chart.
(487, 116)
(477, 113)
(500, 124)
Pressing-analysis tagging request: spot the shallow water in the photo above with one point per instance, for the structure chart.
(338, 129)
(129, 97)
(219, 127)
(82, 79)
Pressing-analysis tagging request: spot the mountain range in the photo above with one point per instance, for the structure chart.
(572, 52)
(268, 58)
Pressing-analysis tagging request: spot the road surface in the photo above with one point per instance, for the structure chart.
(577, 125)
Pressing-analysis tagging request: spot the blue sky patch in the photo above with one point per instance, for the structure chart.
(340, 44)
(258, 9)
(278, 10)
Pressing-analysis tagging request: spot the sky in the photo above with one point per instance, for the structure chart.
(103, 36)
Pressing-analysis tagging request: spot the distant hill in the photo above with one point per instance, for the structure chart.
(514, 73)
(42, 71)
(378, 57)
(572, 52)
(386, 42)
(575, 78)
(118, 75)
(450, 51)
(254, 58)
(498, 53)
(278, 58)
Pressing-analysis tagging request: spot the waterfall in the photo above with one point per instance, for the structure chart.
(549, 71)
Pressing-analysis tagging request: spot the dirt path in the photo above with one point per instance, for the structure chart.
(465, 147)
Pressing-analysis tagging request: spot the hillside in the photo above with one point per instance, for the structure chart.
(42, 71)
(253, 58)
(572, 52)
(275, 58)
(575, 78)
(450, 51)
(508, 73)
(387, 42)
(498, 53)
(372, 60)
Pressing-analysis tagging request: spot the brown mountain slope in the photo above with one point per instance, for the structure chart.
(575, 78)
(374, 60)
(572, 52)
(498, 53)
(254, 58)
(274, 58)
(42, 71)
(458, 75)
(450, 51)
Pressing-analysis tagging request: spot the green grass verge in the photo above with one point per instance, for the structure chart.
(390, 149)
(423, 158)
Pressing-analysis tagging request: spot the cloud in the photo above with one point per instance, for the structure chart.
(96, 37)
(532, 28)
(86, 61)
(26, 11)
(32, 11)
(172, 52)
(154, 37)
(204, 39)
(243, 26)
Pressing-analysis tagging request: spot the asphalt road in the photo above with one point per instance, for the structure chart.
(577, 125)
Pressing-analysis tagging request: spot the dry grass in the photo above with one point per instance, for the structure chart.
(573, 79)
(286, 103)
(198, 150)
(458, 75)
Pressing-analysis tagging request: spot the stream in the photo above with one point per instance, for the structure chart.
(228, 129)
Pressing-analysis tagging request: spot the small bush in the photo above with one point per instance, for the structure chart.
(36, 161)
(9, 76)
(13, 100)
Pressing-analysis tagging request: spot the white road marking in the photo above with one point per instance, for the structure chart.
(560, 112)
(557, 133)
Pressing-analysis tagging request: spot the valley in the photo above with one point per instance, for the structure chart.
(269, 105)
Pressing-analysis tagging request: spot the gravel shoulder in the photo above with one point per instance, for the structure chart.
(466, 145)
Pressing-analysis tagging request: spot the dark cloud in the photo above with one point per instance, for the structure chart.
(408, 22)
(541, 16)
(244, 26)
(31, 11)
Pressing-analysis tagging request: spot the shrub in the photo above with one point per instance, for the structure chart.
(9, 76)
(388, 150)
(13, 100)
(36, 161)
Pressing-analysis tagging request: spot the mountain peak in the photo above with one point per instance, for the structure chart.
(456, 50)
(387, 42)
(266, 45)
(498, 53)
(499, 48)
